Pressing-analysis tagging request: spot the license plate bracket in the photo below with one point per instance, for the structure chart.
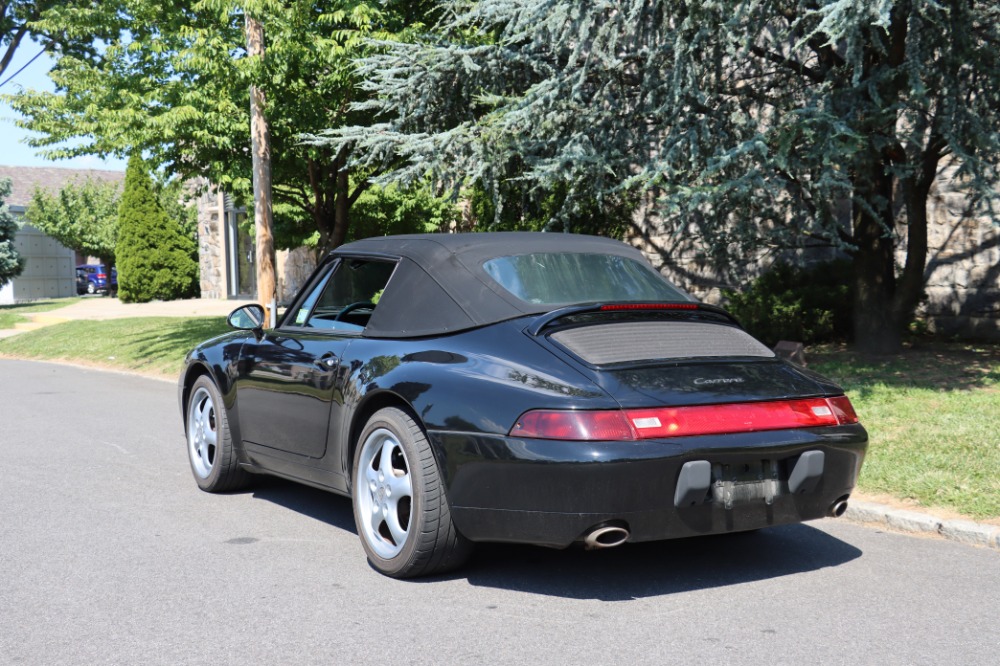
(747, 481)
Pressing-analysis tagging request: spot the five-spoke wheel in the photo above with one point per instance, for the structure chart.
(210, 448)
(386, 501)
(203, 432)
(400, 506)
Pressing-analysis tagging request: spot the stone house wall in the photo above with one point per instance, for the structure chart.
(226, 253)
(211, 245)
(963, 267)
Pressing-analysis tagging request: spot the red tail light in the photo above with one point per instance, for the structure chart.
(102, 276)
(843, 408)
(660, 422)
(580, 426)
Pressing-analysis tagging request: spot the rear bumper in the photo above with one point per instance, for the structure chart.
(553, 492)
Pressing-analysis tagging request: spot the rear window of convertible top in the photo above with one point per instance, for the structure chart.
(555, 278)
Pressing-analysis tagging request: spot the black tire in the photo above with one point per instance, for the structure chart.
(402, 485)
(214, 465)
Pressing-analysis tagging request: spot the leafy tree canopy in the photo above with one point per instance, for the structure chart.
(82, 216)
(751, 125)
(67, 26)
(174, 85)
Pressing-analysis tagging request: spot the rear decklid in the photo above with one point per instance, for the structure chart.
(672, 354)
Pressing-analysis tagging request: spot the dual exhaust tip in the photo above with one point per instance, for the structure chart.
(609, 536)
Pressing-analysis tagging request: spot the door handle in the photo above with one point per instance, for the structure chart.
(328, 361)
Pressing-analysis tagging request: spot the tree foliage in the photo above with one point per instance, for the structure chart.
(384, 211)
(174, 86)
(154, 255)
(83, 216)
(67, 26)
(752, 125)
(11, 263)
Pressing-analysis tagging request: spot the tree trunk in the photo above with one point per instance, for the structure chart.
(340, 223)
(109, 267)
(261, 148)
(877, 329)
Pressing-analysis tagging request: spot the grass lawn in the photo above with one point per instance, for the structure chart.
(933, 416)
(12, 314)
(150, 345)
(8, 319)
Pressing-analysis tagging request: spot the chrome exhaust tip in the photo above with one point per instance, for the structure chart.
(605, 536)
(838, 508)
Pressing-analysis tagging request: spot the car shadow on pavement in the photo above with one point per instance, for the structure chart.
(633, 571)
(636, 571)
(318, 504)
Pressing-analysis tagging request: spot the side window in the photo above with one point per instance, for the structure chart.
(302, 314)
(347, 299)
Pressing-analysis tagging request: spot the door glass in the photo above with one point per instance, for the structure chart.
(306, 308)
(348, 298)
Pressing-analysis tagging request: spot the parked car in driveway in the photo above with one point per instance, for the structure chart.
(535, 388)
(96, 278)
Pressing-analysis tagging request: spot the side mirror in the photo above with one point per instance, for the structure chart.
(247, 318)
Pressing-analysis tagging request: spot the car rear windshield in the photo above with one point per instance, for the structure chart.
(551, 278)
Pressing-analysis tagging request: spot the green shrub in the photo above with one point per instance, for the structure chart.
(154, 256)
(808, 305)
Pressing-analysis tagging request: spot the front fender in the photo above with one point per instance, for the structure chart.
(219, 358)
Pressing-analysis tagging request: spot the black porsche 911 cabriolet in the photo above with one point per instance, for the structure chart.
(521, 387)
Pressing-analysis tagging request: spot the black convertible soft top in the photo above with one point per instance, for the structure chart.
(439, 285)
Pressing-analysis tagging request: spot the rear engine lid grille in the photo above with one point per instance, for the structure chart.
(629, 342)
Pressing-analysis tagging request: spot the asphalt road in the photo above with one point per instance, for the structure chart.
(109, 554)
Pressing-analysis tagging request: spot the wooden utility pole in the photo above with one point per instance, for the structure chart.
(260, 138)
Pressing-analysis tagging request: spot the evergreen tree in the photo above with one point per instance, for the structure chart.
(749, 124)
(154, 255)
(11, 263)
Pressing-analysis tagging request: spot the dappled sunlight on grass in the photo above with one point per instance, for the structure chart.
(935, 366)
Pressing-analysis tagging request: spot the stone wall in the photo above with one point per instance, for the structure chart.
(293, 267)
(211, 245)
(963, 267)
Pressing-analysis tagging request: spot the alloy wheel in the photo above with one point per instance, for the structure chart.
(385, 494)
(203, 433)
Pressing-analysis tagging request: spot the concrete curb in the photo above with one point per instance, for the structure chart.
(914, 522)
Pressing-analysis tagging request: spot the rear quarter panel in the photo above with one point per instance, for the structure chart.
(479, 381)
